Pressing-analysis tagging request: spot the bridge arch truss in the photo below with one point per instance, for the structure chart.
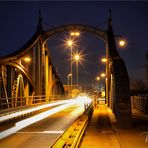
(40, 77)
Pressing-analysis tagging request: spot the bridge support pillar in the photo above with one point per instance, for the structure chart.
(121, 103)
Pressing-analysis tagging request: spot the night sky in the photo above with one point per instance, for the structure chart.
(18, 22)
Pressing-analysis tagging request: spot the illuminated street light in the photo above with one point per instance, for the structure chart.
(70, 44)
(122, 43)
(98, 78)
(75, 33)
(27, 59)
(103, 75)
(104, 60)
(77, 58)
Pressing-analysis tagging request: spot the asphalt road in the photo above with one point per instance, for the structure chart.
(43, 133)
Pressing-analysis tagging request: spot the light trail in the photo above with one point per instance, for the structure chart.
(44, 132)
(24, 123)
(81, 100)
(19, 113)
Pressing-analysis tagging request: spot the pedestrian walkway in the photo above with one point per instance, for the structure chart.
(102, 132)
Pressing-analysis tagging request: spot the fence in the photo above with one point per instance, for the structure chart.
(28, 101)
(140, 103)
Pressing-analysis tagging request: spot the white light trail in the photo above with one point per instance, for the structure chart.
(24, 123)
(44, 132)
(19, 113)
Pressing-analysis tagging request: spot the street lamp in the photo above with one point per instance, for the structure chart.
(70, 44)
(103, 75)
(98, 78)
(27, 59)
(77, 58)
(69, 75)
(104, 60)
(122, 43)
(75, 33)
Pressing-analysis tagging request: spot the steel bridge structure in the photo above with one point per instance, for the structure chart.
(24, 82)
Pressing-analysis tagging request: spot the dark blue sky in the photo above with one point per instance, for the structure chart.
(18, 21)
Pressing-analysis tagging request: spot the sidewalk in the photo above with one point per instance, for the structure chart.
(102, 132)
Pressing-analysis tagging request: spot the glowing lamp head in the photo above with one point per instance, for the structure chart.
(104, 60)
(27, 59)
(98, 78)
(103, 75)
(72, 33)
(77, 33)
(70, 43)
(77, 57)
(122, 43)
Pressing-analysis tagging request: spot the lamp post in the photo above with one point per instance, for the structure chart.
(103, 75)
(69, 75)
(98, 79)
(77, 58)
(70, 44)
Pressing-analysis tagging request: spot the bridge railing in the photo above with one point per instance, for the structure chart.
(28, 101)
(140, 103)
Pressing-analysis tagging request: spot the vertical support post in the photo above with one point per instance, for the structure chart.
(27, 93)
(47, 77)
(9, 81)
(4, 85)
(38, 62)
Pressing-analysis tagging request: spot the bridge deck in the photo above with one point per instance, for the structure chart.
(102, 132)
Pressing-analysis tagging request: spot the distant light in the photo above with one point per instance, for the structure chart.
(27, 59)
(72, 33)
(104, 60)
(69, 75)
(103, 75)
(98, 78)
(75, 33)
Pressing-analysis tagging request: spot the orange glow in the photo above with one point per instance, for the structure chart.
(72, 33)
(103, 75)
(75, 33)
(104, 60)
(98, 78)
(77, 57)
(27, 59)
(70, 43)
